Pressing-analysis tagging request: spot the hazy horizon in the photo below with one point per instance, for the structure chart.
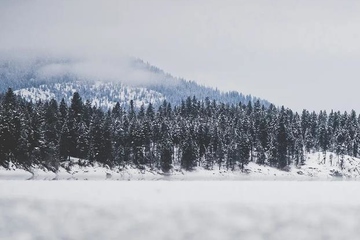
(298, 54)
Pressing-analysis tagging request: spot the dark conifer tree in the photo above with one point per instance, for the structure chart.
(298, 141)
(132, 113)
(244, 148)
(10, 131)
(105, 147)
(150, 113)
(166, 148)
(52, 133)
(189, 155)
(281, 139)
(117, 111)
(64, 142)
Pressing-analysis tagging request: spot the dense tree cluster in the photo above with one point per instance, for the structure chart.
(195, 133)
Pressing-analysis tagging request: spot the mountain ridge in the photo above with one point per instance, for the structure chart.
(131, 79)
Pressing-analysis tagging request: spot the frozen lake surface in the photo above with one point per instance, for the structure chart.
(179, 210)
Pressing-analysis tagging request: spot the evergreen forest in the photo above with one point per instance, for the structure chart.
(204, 133)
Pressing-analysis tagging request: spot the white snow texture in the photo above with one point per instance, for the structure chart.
(184, 209)
(179, 210)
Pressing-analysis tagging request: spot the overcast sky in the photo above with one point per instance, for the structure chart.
(301, 54)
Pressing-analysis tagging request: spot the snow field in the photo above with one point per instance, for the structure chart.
(179, 210)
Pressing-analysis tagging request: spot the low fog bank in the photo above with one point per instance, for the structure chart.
(41, 66)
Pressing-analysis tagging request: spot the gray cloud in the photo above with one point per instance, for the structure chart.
(121, 69)
(303, 54)
(117, 69)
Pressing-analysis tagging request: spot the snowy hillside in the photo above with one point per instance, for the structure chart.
(103, 95)
(104, 82)
(315, 168)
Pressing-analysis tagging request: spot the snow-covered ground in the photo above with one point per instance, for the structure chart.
(179, 210)
(315, 168)
(218, 209)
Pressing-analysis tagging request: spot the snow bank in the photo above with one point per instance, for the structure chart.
(318, 166)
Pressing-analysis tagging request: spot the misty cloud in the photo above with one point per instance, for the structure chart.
(121, 69)
(53, 70)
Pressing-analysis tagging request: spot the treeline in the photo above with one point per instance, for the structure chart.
(195, 133)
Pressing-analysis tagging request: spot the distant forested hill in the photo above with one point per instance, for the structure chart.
(105, 84)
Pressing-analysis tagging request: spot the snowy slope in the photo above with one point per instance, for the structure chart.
(314, 168)
(317, 166)
(330, 165)
(104, 82)
(103, 95)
